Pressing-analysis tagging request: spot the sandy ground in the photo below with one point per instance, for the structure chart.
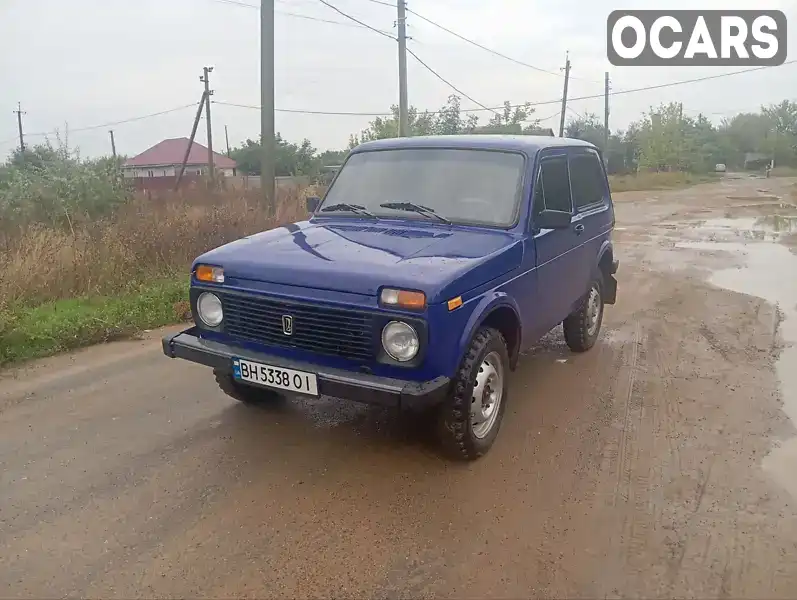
(660, 464)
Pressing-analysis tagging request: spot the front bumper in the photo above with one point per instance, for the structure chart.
(360, 387)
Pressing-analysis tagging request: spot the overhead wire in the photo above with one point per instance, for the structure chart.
(448, 83)
(411, 53)
(482, 46)
(385, 114)
(112, 123)
(362, 24)
(481, 108)
(544, 102)
(300, 16)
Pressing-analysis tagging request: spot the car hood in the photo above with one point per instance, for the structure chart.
(361, 257)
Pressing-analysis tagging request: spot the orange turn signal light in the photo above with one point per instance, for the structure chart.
(403, 299)
(209, 274)
(455, 303)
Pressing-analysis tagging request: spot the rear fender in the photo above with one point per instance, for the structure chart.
(606, 253)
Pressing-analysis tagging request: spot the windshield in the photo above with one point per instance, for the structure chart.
(463, 186)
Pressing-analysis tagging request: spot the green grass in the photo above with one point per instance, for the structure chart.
(35, 332)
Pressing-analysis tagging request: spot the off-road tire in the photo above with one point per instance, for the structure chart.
(576, 326)
(454, 415)
(245, 393)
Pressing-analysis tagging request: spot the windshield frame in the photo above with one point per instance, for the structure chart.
(406, 215)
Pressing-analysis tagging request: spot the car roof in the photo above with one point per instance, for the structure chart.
(527, 144)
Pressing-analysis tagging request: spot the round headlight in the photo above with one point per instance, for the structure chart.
(209, 308)
(400, 341)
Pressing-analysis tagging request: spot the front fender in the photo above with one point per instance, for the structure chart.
(486, 305)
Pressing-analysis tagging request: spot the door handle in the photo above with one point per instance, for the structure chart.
(579, 229)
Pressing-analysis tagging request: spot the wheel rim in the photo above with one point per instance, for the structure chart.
(593, 310)
(488, 392)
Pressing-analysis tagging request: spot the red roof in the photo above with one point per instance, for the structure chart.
(172, 152)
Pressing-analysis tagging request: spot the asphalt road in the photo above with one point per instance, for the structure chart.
(632, 470)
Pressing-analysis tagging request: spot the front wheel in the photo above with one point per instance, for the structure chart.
(470, 418)
(581, 328)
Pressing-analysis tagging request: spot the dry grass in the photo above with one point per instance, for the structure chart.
(157, 237)
(147, 239)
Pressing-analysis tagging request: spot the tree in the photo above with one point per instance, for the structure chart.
(449, 120)
(290, 158)
(388, 127)
(783, 117)
(588, 128)
(511, 121)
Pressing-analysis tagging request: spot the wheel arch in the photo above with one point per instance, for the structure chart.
(605, 257)
(500, 311)
(606, 268)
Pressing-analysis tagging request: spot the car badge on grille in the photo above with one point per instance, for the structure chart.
(287, 324)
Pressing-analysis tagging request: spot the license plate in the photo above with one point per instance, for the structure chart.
(275, 377)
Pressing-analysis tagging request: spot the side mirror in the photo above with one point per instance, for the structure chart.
(553, 219)
(312, 203)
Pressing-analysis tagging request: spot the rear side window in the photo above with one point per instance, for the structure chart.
(553, 186)
(586, 179)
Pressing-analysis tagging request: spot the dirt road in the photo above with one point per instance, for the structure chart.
(662, 463)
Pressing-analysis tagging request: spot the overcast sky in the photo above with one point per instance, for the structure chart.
(90, 62)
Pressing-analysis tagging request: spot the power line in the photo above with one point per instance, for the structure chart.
(384, 114)
(481, 46)
(297, 15)
(348, 16)
(308, 112)
(541, 119)
(415, 56)
(448, 83)
(114, 123)
(533, 104)
(575, 112)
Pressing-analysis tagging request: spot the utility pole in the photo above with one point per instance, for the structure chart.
(564, 96)
(208, 93)
(267, 133)
(191, 140)
(113, 144)
(20, 112)
(606, 115)
(401, 23)
(227, 139)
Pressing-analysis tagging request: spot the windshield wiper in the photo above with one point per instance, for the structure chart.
(418, 208)
(355, 208)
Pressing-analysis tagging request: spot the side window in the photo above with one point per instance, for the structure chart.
(586, 179)
(555, 185)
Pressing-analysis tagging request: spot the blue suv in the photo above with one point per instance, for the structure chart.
(428, 266)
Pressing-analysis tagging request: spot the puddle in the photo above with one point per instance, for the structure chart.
(770, 227)
(769, 272)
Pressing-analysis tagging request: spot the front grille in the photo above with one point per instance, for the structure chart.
(320, 329)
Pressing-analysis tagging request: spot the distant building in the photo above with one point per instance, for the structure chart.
(163, 160)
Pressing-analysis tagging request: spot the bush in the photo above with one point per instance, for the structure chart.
(52, 186)
(144, 239)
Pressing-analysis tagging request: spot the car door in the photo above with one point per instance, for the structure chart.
(592, 218)
(557, 258)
